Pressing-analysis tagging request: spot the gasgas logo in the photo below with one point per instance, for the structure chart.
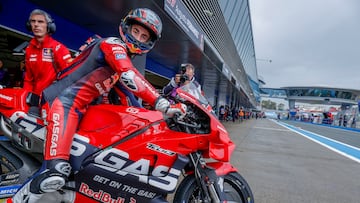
(55, 134)
(117, 161)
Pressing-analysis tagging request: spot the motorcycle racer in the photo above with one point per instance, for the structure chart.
(91, 74)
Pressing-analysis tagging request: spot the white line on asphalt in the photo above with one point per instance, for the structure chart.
(275, 129)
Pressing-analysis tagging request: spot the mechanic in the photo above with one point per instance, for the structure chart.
(44, 58)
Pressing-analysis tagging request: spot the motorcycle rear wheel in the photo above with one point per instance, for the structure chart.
(235, 186)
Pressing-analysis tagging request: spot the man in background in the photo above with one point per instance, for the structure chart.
(44, 58)
(186, 75)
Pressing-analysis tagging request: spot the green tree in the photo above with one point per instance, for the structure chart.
(281, 106)
(268, 104)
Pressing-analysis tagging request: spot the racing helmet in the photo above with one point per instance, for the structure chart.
(146, 18)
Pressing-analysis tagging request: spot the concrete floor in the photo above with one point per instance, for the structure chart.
(283, 167)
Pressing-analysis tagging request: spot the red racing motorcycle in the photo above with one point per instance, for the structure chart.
(129, 154)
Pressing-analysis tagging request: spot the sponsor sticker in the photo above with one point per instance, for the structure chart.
(47, 54)
(8, 190)
(99, 195)
(119, 56)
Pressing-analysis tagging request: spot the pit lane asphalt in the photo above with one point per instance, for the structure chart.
(282, 166)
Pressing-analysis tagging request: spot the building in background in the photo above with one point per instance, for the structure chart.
(214, 35)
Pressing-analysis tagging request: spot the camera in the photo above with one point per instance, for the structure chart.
(183, 78)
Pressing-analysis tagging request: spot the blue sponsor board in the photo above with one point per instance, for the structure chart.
(179, 13)
(3, 138)
(8, 191)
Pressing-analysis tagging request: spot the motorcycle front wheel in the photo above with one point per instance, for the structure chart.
(236, 189)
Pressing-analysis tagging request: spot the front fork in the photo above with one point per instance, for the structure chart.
(208, 181)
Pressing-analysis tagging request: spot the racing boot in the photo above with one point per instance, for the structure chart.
(51, 177)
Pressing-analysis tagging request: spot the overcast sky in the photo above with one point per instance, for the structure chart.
(310, 42)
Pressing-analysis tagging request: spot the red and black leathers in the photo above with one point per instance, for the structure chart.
(41, 61)
(93, 73)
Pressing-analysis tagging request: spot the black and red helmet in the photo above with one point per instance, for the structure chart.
(147, 18)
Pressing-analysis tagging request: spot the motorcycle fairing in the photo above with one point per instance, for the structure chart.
(220, 144)
(136, 147)
(112, 183)
(80, 150)
(142, 134)
(11, 98)
(114, 122)
(222, 168)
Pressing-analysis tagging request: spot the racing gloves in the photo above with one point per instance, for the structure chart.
(164, 106)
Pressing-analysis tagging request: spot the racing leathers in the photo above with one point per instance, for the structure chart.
(92, 73)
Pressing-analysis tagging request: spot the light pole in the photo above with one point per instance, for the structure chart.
(261, 82)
